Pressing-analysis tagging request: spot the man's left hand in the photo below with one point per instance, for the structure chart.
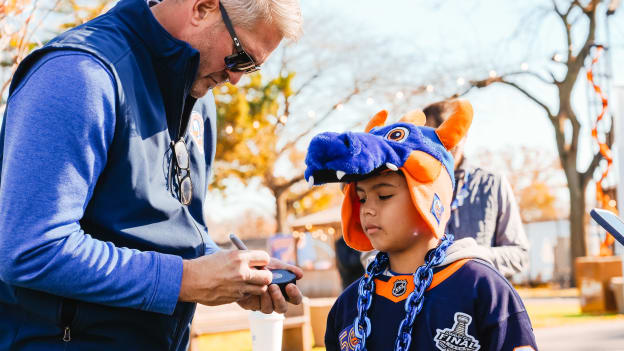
(273, 300)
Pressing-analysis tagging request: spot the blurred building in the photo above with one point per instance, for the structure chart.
(315, 236)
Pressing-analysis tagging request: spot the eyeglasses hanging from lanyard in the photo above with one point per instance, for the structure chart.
(180, 158)
(181, 165)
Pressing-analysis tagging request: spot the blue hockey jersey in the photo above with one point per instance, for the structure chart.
(469, 306)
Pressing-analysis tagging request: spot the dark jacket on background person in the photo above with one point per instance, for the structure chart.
(488, 212)
(348, 263)
(91, 237)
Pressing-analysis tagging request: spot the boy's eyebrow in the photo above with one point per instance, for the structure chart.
(378, 185)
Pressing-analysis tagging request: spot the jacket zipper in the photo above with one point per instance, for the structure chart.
(67, 334)
(187, 109)
(68, 312)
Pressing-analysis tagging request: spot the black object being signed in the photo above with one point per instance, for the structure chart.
(281, 277)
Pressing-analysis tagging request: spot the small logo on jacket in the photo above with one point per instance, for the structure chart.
(196, 129)
(457, 337)
(437, 209)
(347, 339)
(399, 287)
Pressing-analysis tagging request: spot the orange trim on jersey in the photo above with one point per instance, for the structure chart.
(446, 272)
(385, 289)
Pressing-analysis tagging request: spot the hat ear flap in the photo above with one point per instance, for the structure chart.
(422, 166)
(416, 117)
(378, 120)
(456, 126)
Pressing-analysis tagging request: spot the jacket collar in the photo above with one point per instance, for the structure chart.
(137, 15)
(175, 62)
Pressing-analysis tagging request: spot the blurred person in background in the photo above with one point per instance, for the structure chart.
(348, 263)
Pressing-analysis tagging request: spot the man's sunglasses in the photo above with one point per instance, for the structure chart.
(240, 61)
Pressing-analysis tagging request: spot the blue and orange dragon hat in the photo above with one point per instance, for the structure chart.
(421, 153)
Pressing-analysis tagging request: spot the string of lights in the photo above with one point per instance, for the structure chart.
(603, 200)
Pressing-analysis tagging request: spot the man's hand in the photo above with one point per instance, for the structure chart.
(272, 300)
(225, 277)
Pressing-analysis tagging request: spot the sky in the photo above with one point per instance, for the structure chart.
(480, 36)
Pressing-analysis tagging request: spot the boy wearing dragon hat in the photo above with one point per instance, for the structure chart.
(397, 200)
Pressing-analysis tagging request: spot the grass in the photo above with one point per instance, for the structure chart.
(545, 292)
(552, 307)
(235, 341)
(545, 314)
(561, 308)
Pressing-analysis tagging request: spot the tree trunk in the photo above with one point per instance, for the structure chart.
(578, 236)
(578, 221)
(281, 212)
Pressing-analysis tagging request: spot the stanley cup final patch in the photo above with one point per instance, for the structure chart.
(457, 337)
(196, 129)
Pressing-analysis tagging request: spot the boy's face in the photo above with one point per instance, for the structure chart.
(387, 214)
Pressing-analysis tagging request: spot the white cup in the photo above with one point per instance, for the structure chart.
(266, 331)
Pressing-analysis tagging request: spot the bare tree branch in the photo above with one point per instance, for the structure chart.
(557, 9)
(533, 74)
(531, 97)
(318, 122)
(573, 4)
(292, 200)
(566, 23)
(609, 139)
(552, 75)
(501, 79)
(306, 83)
(280, 188)
(576, 131)
(575, 63)
(589, 172)
(20, 47)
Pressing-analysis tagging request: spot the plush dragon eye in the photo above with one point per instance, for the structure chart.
(398, 134)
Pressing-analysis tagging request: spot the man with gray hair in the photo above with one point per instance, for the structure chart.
(106, 147)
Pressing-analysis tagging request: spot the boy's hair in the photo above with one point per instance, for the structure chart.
(420, 152)
(438, 112)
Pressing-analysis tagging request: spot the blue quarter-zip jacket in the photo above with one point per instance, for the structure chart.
(91, 237)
